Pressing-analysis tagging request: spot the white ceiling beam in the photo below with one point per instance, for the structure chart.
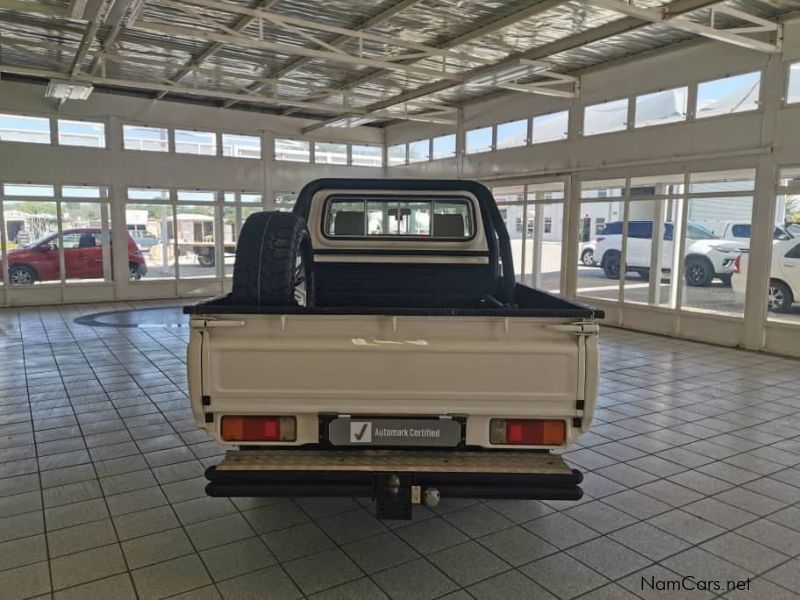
(36, 8)
(659, 15)
(76, 8)
(247, 42)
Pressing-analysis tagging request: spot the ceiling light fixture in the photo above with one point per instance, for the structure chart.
(68, 90)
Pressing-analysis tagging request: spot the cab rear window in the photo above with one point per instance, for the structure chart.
(425, 218)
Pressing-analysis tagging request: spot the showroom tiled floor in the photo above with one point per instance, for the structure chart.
(692, 468)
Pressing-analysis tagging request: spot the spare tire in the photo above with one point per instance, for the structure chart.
(274, 262)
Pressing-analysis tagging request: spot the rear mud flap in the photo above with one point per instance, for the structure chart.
(395, 479)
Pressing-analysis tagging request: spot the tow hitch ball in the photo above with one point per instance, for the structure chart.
(395, 496)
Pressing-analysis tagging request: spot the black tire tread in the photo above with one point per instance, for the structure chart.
(263, 271)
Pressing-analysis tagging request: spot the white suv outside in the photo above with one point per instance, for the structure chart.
(706, 256)
(784, 275)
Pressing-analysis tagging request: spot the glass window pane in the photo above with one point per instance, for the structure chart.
(17, 128)
(366, 155)
(196, 196)
(444, 146)
(783, 296)
(510, 202)
(196, 241)
(603, 188)
(81, 133)
(550, 128)
(419, 151)
(85, 233)
(84, 191)
(195, 142)
(396, 155)
(149, 139)
(147, 194)
(658, 108)
(793, 91)
(32, 241)
(250, 198)
(728, 95)
(329, 153)
(292, 150)
(28, 190)
(600, 229)
(710, 257)
(722, 182)
(479, 140)
(657, 185)
(151, 228)
(648, 254)
(605, 117)
(241, 146)
(284, 201)
(510, 135)
(349, 218)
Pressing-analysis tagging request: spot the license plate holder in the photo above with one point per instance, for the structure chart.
(380, 432)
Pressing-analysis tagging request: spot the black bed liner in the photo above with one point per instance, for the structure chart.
(532, 303)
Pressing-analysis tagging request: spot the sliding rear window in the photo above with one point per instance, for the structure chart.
(382, 217)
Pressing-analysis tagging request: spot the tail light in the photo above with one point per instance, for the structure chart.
(528, 432)
(258, 429)
(600, 239)
(737, 264)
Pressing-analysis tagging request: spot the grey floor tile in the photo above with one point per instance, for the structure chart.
(563, 576)
(253, 585)
(608, 557)
(786, 575)
(145, 522)
(775, 536)
(296, 542)
(685, 526)
(560, 530)
(155, 548)
(719, 513)
(477, 520)
(221, 530)
(25, 582)
(468, 563)
(237, 558)
(89, 565)
(275, 516)
(658, 583)
(380, 552)
(761, 588)
(360, 589)
(751, 501)
(669, 492)
(510, 584)
(704, 565)
(19, 526)
(431, 535)
(80, 537)
(649, 541)
(744, 552)
(429, 582)
(637, 504)
(23, 551)
(118, 587)
(321, 571)
(74, 514)
(351, 525)
(600, 516)
(517, 546)
(170, 577)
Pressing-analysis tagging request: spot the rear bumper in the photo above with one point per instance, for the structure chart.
(362, 473)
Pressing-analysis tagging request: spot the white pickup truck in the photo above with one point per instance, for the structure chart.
(376, 344)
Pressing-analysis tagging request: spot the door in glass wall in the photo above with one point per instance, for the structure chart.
(151, 227)
(719, 216)
(32, 242)
(85, 237)
(511, 203)
(544, 221)
(599, 238)
(783, 296)
(196, 241)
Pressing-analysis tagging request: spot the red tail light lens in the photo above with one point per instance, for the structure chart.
(737, 265)
(258, 429)
(528, 432)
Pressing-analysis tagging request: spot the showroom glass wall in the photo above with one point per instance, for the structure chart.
(534, 216)
(55, 234)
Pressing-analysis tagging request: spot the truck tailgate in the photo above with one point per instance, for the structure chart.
(393, 365)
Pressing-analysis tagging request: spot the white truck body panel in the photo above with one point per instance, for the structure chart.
(311, 364)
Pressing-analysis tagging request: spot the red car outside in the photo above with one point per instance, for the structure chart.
(83, 258)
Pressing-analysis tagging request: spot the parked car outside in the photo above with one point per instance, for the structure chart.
(784, 275)
(588, 254)
(741, 232)
(144, 239)
(83, 258)
(706, 256)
